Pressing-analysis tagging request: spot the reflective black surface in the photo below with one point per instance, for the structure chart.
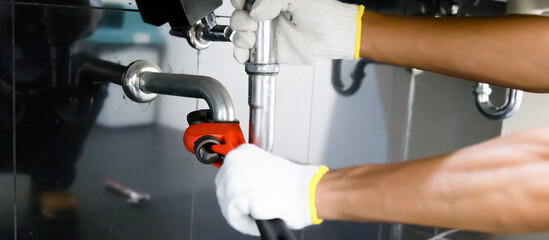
(150, 166)
(65, 156)
(6, 123)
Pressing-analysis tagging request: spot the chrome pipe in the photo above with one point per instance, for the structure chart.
(193, 86)
(488, 109)
(142, 81)
(201, 34)
(96, 71)
(263, 51)
(262, 70)
(215, 32)
(262, 95)
(131, 80)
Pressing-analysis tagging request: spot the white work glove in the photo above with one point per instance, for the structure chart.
(307, 31)
(255, 184)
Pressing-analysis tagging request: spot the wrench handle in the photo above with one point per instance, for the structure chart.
(274, 229)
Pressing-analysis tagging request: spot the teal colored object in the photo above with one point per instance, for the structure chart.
(125, 27)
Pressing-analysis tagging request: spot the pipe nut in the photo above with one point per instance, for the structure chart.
(195, 37)
(252, 68)
(132, 80)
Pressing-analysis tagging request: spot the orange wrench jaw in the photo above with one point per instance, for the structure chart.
(210, 142)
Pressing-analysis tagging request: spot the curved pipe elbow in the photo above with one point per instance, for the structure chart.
(489, 110)
(213, 92)
(143, 80)
(194, 86)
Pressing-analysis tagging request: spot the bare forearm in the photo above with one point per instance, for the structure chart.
(507, 51)
(496, 186)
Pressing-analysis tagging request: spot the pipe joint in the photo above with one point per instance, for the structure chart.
(263, 69)
(511, 105)
(142, 81)
(201, 34)
(195, 86)
(131, 81)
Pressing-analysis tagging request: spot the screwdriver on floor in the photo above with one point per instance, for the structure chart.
(133, 196)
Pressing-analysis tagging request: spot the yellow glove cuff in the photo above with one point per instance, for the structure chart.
(359, 30)
(312, 193)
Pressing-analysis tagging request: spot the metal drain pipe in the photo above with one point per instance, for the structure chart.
(262, 70)
(143, 80)
(513, 99)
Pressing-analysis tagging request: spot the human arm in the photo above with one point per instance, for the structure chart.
(510, 51)
(497, 186)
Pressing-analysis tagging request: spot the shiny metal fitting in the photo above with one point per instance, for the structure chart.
(201, 34)
(195, 37)
(131, 81)
(262, 68)
(512, 103)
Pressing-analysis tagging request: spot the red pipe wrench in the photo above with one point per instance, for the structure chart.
(211, 141)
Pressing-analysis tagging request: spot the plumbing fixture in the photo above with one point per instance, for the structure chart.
(194, 86)
(201, 34)
(190, 19)
(488, 109)
(262, 70)
(143, 80)
(96, 71)
(131, 81)
(358, 75)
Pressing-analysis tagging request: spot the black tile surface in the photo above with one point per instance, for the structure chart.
(64, 160)
(148, 159)
(6, 123)
(54, 117)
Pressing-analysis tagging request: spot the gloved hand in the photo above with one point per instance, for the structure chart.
(255, 184)
(307, 30)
